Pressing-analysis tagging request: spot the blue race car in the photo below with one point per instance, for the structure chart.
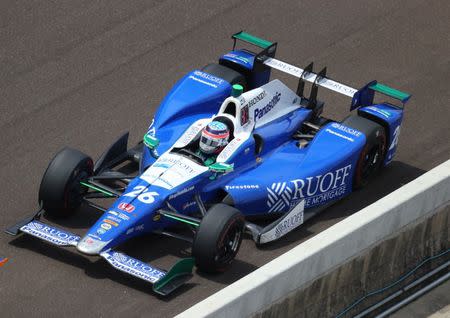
(280, 159)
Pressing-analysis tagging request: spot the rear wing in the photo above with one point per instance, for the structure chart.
(268, 48)
(361, 97)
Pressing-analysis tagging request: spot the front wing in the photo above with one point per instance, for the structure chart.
(164, 282)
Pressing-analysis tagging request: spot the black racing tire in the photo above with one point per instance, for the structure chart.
(60, 192)
(373, 153)
(218, 238)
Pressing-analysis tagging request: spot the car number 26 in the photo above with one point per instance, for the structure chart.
(142, 194)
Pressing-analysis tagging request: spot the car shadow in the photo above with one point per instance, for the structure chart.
(97, 268)
(163, 252)
(156, 250)
(238, 269)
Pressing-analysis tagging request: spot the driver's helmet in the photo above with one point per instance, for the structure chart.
(214, 137)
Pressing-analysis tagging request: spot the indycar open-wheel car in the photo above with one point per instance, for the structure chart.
(284, 160)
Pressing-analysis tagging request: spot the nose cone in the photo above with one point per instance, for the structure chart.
(91, 246)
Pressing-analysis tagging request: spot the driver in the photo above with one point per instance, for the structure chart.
(212, 141)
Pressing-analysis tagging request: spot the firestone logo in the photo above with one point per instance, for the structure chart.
(282, 196)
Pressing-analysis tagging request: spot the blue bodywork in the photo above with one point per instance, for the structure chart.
(272, 180)
(282, 159)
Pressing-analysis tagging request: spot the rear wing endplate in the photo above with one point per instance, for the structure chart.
(361, 97)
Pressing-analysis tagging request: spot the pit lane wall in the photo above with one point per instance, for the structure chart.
(364, 252)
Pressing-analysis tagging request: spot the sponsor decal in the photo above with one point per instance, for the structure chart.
(346, 129)
(95, 236)
(105, 226)
(289, 222)
(393, 145)
(242, 187)
(135, 229)
(152, 130)
(230, 149)
(111, 222)
(126, 207)
(319, 189)
(142, 194)
(244, 115)
(114, 218)
(337, 87)
(239, 58)
(180, 171)
(3, 261)
(380, 111)
(339, 135)
(190, 134)
(113, 213)
(161, 165)
(124, 217)
(259, 113)
(101, 231)
(185, 190)
(298, 72)
(180, 162)
(209, 77)
(162, 182)
(157, 217)
(132, 266)
(50, 234)
(206, 79)
(256, 99)
(188, 205)
(89, 241)
(395, 138)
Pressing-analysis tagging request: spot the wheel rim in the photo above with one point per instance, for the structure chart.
(371, 161)
(74, 192)
(229, 245)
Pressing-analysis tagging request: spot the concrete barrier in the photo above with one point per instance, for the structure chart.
(320, 255)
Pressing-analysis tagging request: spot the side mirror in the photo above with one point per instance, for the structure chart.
(151, 142)
(221, 167)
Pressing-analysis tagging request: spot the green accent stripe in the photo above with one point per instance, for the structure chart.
(247, 37)
(97, 189)
(180, 219)
(182, 267)
(389, 91)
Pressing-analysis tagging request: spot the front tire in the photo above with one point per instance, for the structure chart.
(60, 192)
(218, 238)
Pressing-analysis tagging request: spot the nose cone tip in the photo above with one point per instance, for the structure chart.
(91, 246)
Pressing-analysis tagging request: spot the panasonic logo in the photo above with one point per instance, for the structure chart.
(261, 112)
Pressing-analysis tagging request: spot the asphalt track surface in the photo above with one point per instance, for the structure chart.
(80, 73)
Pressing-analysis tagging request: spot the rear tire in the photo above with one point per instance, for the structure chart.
(61, 193)
(218, 238)
(372, 155)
